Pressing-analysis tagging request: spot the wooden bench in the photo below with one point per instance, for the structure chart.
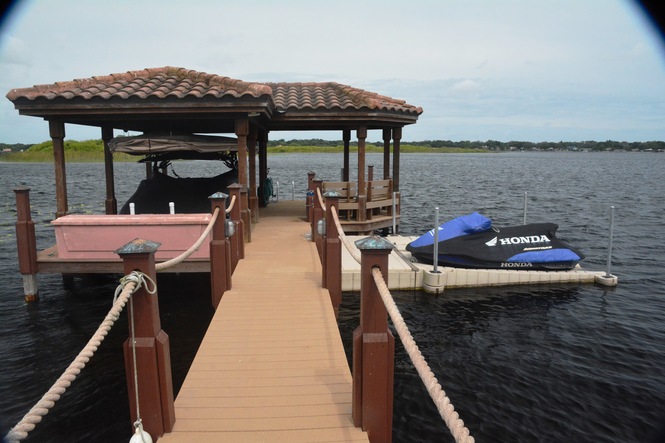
(348, 202)
(380, 198)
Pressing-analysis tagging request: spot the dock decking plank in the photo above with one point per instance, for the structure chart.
(272, 365)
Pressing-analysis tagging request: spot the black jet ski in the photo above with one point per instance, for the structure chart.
(470, 241)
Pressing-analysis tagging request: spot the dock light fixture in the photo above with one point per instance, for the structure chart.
(321, 227)
(229, 228)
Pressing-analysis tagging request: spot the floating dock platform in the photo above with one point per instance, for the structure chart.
(406, 274)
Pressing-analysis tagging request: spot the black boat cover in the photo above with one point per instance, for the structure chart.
(189, 195)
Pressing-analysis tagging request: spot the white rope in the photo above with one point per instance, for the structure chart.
(128, 285)
(233, 202)
(438, 395)
(355, 253)
(318, 195)
(182, 257)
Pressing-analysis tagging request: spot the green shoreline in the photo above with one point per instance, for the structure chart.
(92, 151)
(41, 154)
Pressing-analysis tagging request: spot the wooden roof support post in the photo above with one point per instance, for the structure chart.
(373, 347)
(57, 133)
(111, 203)
(386, 153)
(242, 131)
(346, 136)
(263, 168)
(397, 136)
(362, 185)
(253, 199)
(153, 355)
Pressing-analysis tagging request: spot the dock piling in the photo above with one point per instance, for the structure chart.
(333, 253)
(373, 348)
(153, 356)
(220, 251)
(237, 242)
(26, 244)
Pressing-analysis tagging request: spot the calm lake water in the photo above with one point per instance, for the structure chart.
(562, 363)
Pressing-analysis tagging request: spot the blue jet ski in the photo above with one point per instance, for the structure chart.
(470, 241)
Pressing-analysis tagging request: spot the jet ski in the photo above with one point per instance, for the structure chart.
(470, 241)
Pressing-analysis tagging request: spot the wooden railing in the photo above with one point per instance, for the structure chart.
(373, 343)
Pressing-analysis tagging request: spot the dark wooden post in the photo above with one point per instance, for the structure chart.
(26, 245)
(346, 136)
(153, 355)
(111, 204)
(373, 348)
(242, 130)
(309, 200)
(317, 215)
(362, 185)
(237, 241)
(253, 196)
(263, 167)
(220, 251)
(333, 253)
(245, 215)
(386, 153)
(397, 136)
(57, 132)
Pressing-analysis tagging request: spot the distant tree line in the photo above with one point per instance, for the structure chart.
(494, 145)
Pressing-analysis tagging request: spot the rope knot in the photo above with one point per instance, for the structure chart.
(138, 279)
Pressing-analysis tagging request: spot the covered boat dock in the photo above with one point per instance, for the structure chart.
(176, 101)
(299, 317)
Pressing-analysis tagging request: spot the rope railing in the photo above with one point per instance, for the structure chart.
(320, 197)
(182, 257)
(438, 395)
(355, 253)
(128, 285)
(233, 202)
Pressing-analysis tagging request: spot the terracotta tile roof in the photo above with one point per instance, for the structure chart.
(157, 83)
(332, 95)
(167, 82)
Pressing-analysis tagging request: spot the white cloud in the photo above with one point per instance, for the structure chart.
(530, 60)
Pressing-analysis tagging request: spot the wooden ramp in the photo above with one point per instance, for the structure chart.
(271, 367)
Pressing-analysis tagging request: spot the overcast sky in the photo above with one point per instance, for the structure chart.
(532, 70)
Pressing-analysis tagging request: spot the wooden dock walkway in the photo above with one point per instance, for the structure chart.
(271, 366)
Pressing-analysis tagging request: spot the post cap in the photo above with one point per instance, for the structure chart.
(138, 246)
(374, 242)
(218, 195)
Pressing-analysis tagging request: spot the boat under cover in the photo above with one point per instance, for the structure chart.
(189, 195)
(470, 241)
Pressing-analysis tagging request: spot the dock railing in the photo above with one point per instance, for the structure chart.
(147, 350)
(373, 342)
